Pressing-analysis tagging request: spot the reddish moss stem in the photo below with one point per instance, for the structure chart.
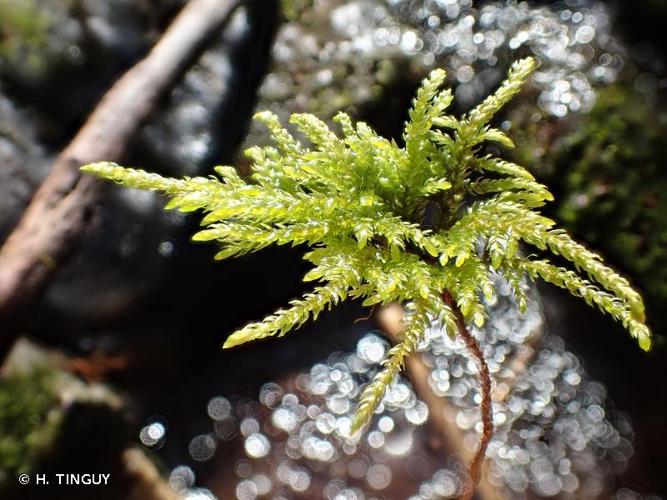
(475, 467)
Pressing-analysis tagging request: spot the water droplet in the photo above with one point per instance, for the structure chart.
(379, 476)
(219, 408)
(418, 414)
(249, 426)
(202, 447)
(246, 490)
(386, 424)
(371, 349)
(181, 478)
(257, 445)
(152, 434)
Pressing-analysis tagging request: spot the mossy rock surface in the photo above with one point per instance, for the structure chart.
(27, 400)
(608, 171)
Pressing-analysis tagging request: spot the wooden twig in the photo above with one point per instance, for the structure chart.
(57, 214)
(144, 478)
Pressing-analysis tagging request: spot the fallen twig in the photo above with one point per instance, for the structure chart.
(56, 217)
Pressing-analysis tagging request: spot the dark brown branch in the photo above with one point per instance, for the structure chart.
(475, 468)
(56, 217)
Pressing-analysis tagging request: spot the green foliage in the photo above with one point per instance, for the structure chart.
(610, 171)
(361, 202)
(26, 400)
(24, 28)
(292, 9)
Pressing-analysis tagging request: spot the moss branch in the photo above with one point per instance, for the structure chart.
(445, 434)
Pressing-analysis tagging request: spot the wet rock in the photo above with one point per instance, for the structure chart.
(22, 164)
(51, 420)
(75, 51)
(136, 259)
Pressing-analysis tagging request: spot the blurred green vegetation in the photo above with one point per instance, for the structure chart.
(24, 28)
(292, 9)
(28, 421)
(609, 168)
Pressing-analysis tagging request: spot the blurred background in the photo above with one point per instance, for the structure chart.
(117, 367)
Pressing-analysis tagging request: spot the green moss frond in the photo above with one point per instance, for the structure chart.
(592, 295)
(139, 179)
(561, 243)
(416, 322)
(495, 135)
(359, 202)
(498, 166)
(285, 320)
(486, 186)
(281, 137)
(429, 105)
(518, 74)
(240, 239)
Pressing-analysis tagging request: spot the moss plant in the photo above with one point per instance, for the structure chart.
(425, 225)
(26, 424)
(24, 29)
